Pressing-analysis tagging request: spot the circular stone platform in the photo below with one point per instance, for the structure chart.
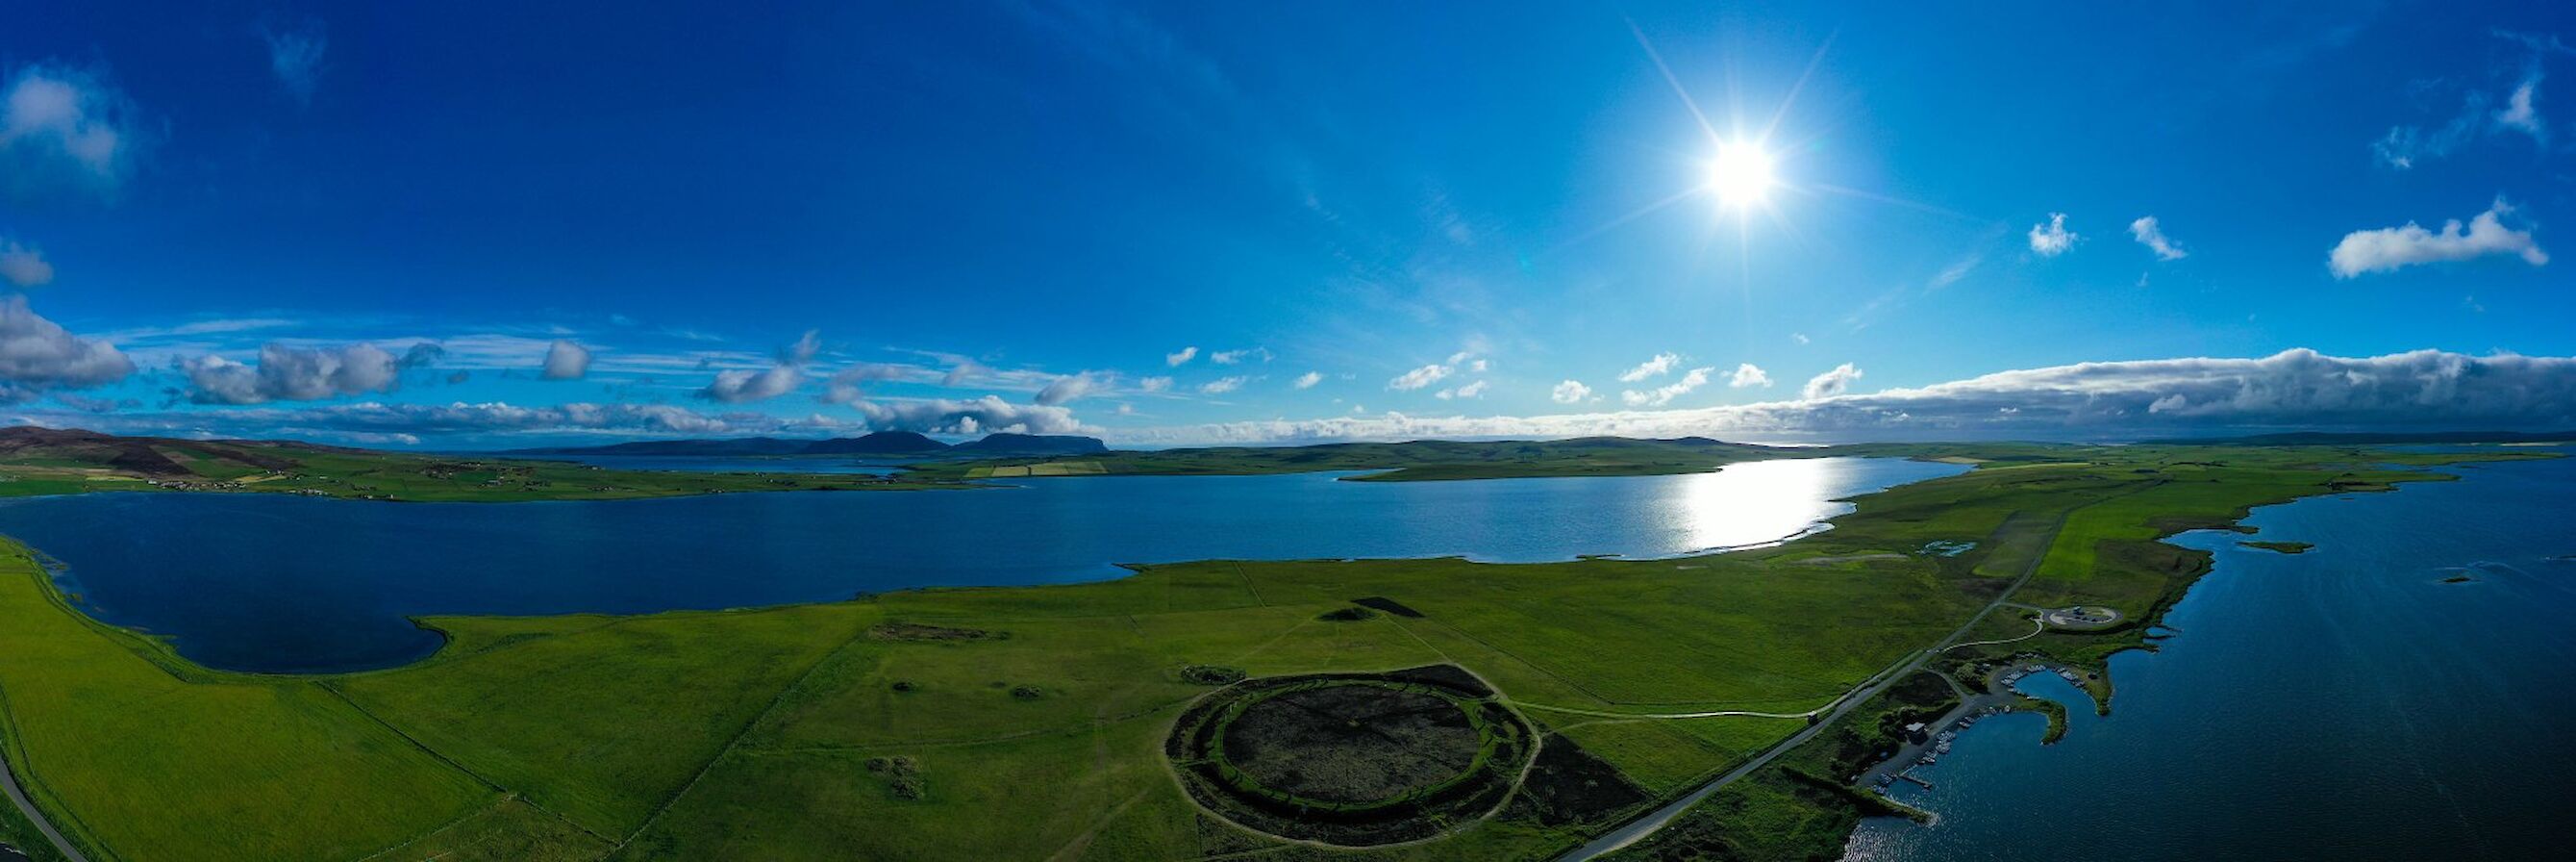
(1352, 759)
(2083, 617)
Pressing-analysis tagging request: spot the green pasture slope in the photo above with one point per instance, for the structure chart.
(39, 462)
(749, 734)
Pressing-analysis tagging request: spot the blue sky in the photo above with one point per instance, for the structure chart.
(376, 224)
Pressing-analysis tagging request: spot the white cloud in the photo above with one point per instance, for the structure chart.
(58, 124)
(961, 370)
(2052, 239)
(742, 385)
(1155, 384)
(1569, 392)
(295, 56)
(2407, 145)
(1223, 385)
(1309, 379)
(1660, 364)
(1747, 375)
(22, 266)
(287, 373)
(989, 414)
(1418, 378)
(1067, 388)
(2153, 236)
(847, 384)
(1471, 390)
(368, 422)
(1176, 360)
(1830, 383)
(1799, 337)
(37, 356)
(566, 360)
(1231, 357)
(2297, 389)
(1948, 275)
(803, 349)
(2520, 114)
(1662, 395)
(2387, 249)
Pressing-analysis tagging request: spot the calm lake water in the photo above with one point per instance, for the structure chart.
(2339, 704)
(279, 583)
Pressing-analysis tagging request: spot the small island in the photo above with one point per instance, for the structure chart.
(2280, 547)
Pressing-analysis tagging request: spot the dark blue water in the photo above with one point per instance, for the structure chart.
(2339, 704)
(278, 583)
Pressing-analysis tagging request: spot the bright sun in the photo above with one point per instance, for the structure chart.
(1740, 175)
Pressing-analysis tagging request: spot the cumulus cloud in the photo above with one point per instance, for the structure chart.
(22, 266)
(989, 414)
(2391, 248)
(2052, 238)
(1830, 383)
(1419, 377)
(286, 373)
(1067, 388)
(1155, 384)
(1569, 392)
(1223, 385)
(2296, 389)
(1309, 379)
(1180, 358)
(63, 125)
(566, 361)
(295, 56)
(741, 385)
(1662, 395)
(2153, 237)
(38, 357)
(1660, 364)
(1749, 375)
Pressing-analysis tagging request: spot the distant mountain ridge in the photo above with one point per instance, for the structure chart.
(880, 443)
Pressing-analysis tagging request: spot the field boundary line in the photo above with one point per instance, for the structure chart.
(453, 763)
(736, 741)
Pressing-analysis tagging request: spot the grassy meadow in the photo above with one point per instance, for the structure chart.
(763, 733)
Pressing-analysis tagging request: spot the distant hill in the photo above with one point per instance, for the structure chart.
(166, 457)
(878, 444)
(999, 445)
(2376, 438)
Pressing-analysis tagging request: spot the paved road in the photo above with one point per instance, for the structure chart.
(1661, 817)
(9, 781)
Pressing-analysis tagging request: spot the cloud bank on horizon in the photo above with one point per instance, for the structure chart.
(2295, 389)
(226, 232)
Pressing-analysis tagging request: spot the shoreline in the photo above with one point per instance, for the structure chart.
(2152, 628)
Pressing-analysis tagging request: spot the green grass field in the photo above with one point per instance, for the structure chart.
(747, 734)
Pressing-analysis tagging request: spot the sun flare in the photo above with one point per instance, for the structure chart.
(1741, 175)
